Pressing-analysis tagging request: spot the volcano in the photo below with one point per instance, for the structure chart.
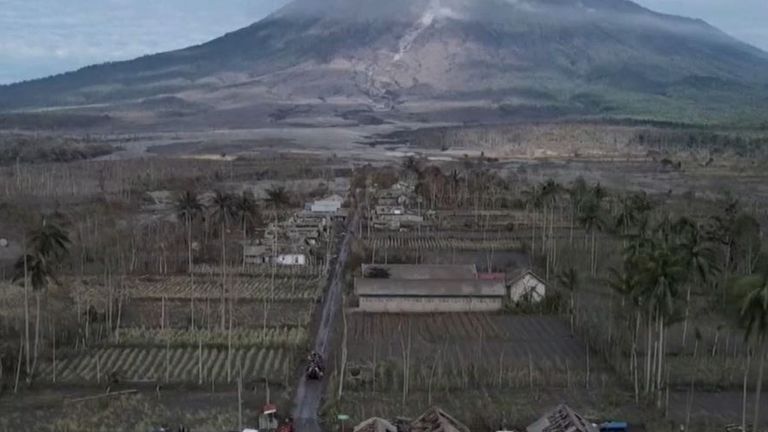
(428, 58)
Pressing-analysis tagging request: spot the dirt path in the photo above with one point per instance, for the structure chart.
(310, 393)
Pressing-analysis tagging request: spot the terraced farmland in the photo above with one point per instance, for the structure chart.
(174, 365)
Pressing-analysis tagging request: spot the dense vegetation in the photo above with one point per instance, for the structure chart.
(28, 149)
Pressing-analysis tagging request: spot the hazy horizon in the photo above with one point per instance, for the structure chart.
(48, 37)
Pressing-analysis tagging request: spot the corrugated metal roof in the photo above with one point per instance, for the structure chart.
(437, 420)
(423, 271)
(562, 419)
(429, 288)
(375, 424)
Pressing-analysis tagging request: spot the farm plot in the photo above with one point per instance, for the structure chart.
(206, 313)
(184, 287)
(464, 350)
(174, 365)
(263, 270)
(275, 337)
(436, 241)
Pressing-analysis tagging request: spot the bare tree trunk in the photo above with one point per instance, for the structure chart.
(759, 389)
(18, 366)
(189, 242)
(53, 356)
(689, 406)
(240, 399)
(223, 279)
(342, 374)
(26, 313)
(37, 331)
(200, 359)
(744, 395)
(687, 314)
(229, 345)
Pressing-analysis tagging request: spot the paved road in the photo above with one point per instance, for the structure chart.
(309, 393)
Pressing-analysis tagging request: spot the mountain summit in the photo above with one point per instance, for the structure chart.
(589, 57)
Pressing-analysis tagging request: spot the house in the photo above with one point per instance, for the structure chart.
(427, 288)
(255, 254)
(527, 285)
(562, 419)
(327, 205)
(422, 271)
(395, 218)
(437, 420)
(429, 295)
(264, 254)
(291, 259)
(375, 424)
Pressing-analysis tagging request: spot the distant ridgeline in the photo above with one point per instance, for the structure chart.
(27, 149)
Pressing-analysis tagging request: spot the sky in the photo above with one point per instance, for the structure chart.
(44, 37)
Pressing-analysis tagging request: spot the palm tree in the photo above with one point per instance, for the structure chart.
(550, 194)
(534, 201)
(569, 279)
(188, 208)
(247, 211)
(47, 245)
(625, 283)
(576, 193)
(699, 259)
(632, 217)
(591, 218)
(753, 313)
(278, 197)
(223, 210)
(660, 271)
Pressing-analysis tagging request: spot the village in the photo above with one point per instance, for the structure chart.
(389, 298)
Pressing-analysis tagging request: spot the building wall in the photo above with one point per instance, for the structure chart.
(431, 304)
(291, 259)
(525, 285)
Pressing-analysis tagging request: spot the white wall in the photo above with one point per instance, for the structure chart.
(430, 304)
(527, 284)
(291, 260)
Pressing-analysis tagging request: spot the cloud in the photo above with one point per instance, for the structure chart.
(742, 19)
(41, 37)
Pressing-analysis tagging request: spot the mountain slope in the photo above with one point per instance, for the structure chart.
(608, 57)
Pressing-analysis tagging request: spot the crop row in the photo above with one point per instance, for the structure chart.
(286, 337)
(264, 270)
(483, 340)
(434, 243)
(203, 287)
(175, 365)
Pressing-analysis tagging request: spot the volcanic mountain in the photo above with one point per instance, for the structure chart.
(609, 58)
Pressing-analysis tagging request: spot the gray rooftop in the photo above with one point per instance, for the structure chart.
(422, 272)
(429, 288)
(562, 419)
